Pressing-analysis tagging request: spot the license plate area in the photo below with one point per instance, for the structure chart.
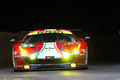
(49, 57)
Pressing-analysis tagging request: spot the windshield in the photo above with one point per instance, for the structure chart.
(50, 37)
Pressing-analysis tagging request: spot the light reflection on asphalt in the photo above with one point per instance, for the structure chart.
(71, 73)
(95, 72)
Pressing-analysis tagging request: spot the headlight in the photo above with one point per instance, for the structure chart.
(73, 65)
(23, 51)
(75, 50)
(26, 66)
(66, 55)
(32, 56)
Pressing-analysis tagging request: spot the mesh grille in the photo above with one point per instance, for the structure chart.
(50, 61)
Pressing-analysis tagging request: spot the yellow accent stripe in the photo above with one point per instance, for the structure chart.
(67, 32)
(33, 33)
(42, 32)
(78, 46)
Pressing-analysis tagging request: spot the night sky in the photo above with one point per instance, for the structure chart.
(97, 17)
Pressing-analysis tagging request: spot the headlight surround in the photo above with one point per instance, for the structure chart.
(73, 65)
(23, 51)
(26, 66)
(74, 51)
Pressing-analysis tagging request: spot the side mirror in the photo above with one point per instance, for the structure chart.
(87, 39)
(80, 39)
(13, 41)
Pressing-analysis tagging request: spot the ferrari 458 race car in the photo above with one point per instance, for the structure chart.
(50, 48)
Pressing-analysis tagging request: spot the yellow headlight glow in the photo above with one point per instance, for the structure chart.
(26, 66)
(23, 51)
(66, 55)
(32, 56)
(75, 50)
(73, 65)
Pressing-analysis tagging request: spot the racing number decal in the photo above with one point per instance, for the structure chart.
(42, 32)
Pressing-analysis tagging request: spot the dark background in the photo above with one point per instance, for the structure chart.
(97, 19)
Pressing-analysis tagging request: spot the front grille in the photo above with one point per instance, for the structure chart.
(49, 61)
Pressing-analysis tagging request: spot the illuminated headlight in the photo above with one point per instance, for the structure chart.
(23, 51)
(26, 66)
(32, 56)
(75, 50)
(73, 65)
(66, 55)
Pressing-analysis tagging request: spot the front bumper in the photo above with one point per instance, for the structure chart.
(72, 62)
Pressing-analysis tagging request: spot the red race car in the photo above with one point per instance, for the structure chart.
(50, 48)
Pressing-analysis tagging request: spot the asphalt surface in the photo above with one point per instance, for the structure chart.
(94, 72)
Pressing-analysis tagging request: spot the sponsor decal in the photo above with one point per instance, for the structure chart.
(53, 31)
(80, 63)
(82, 54)
(19, 65)
(41, 32)
(49, 48)
(17, 56)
